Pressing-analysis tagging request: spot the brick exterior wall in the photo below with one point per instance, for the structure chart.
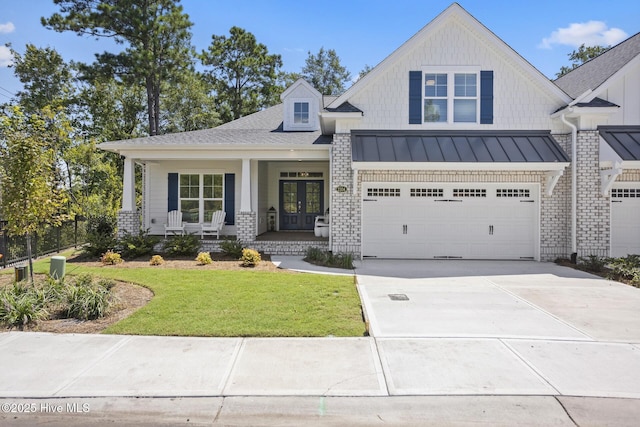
(593, 209)
(246, 226)
(555, 213)
(345, 206)
(128, 222)
(555, 210)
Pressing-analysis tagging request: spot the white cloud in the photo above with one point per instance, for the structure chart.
(592, 33)
(6, 59)
(7, 28)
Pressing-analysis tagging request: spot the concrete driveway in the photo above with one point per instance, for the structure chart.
(472, 327)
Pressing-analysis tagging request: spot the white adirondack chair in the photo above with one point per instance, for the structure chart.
(174, 223)
(215, 227)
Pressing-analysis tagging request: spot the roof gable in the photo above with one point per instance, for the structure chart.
(452, 13)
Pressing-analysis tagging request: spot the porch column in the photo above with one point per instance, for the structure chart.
(128, 218)
(129, 186)
(246, 218)
(245, 195)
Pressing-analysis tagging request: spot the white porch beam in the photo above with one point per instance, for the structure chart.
(608, 177)
(552, 180)
(129, 185)
(245, 194)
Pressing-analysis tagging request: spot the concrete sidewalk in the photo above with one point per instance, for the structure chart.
(328, 381)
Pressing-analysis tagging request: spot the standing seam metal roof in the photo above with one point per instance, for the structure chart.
(462, 146)
(625, 140)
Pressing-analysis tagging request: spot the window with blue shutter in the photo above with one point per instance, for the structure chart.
(415, 97)
(172, 204)
(486, 97)
(229, 198)
(450, 97)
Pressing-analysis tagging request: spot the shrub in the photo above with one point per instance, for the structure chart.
(231, 248)
(593, 263)
(328, 259)
(136, 245)
(626, 268)
(156, 260)
(21, 305)
(204, 258)
(111, 258)
(100, 234)
(88, 302)
(250, 258)
(187, 245)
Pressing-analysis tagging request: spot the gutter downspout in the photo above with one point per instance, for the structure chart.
(574, 186)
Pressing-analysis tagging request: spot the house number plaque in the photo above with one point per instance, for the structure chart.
(341, 189)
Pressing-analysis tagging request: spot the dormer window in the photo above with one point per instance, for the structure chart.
(300, 112)
(302, 104)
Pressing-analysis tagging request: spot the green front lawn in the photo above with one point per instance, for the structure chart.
(222, 303)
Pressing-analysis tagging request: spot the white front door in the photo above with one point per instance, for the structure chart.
(444, 220)
(625, 219)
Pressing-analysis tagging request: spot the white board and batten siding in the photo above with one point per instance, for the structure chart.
(625, 219)
(450, 220)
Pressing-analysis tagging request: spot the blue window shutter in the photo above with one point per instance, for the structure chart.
(486, 97)
(173, 192)
(415, 97)
(230, 198)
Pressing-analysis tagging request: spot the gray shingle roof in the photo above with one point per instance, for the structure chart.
(625, 140)
(460, 146)
(593, 73)
(261, 128)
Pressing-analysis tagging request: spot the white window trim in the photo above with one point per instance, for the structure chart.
(312, 113)
(201, 198)
(451, 72)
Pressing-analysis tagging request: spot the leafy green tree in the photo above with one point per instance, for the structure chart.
(324, 72)
(243, 73)
(580, 56)
(46, 78)
(111, 109)
(156, 32)
(30, 196)
(188, 105)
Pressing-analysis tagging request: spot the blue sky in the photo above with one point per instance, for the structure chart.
(363, 32)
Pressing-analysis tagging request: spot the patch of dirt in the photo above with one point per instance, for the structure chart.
(130, 297)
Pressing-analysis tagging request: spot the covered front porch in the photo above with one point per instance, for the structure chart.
(271, 204)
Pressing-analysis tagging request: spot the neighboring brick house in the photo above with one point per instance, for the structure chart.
(454, 146)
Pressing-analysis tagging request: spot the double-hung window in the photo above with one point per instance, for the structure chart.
(300, 112)
(200, 196)
(451, 97)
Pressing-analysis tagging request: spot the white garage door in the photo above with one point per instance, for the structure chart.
(625, 219)
(444, 220)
